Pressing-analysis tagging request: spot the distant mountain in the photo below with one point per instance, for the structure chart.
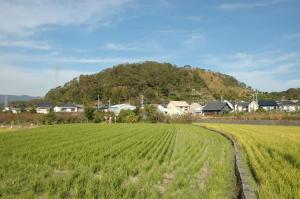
(157, 82)
(13, 98)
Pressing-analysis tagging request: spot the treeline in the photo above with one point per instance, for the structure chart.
(292, 93)
(155, 81)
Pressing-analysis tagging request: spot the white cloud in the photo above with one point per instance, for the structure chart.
(98, 60)
(25, 44)
(25, 17)
(268, 71)
(120, 47)
(252, 4)
(32, 82)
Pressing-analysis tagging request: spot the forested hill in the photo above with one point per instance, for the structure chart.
(157, 82)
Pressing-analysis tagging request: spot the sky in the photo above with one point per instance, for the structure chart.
(45, 43)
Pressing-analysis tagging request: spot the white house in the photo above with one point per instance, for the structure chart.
(68, 108)
(246, 106)
(177, 108)
(163, 108)
(268, 105)
(15, 110)
(119, 107)
(196, 108)
(44, 107)
(287, 105)
(253, 106)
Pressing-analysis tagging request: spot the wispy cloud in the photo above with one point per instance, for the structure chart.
(265, 71)
(26, 17)
(35, 45)
(98, 60)
(34, 82)
(252, 4)
(120, 47)
(54, 57)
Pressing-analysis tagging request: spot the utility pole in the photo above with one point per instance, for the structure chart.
(98, 103)
(256, 97)
(6, 102)
(109, 104)
(142, 101)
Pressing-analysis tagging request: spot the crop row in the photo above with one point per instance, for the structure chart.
(116, 161)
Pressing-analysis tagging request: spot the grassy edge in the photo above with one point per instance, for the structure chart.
(245, 160)
(233, 193)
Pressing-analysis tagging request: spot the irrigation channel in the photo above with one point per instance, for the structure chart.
(244, 189)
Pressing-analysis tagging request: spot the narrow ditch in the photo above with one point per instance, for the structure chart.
(243, 189)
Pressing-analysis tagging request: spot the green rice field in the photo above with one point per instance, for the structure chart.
(123, 161)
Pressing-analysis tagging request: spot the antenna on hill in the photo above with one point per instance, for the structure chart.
(5, 102)
(57, 76)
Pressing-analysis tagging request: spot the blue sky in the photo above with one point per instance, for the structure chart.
(257, 41)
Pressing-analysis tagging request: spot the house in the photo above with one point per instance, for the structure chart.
(216, 108)
(6, 109)
(103, 107)
(177, 108)
(253, 106)
(163, 108)
(230, 104)
(15, 110)
(44, 107)
(267, 105)
(69, 108)
(196, 109)
(242, 107)
(287, 105)
(119, 107)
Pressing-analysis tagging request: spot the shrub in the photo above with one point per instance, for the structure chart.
(153, 115)
(89, 113)
(127, 116)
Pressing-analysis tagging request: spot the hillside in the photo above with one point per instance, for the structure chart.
(292, 93)
(155, 81)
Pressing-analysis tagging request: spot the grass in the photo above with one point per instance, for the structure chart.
(116, 161)
(273, 156)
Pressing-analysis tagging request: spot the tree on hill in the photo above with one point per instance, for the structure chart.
(156, 81)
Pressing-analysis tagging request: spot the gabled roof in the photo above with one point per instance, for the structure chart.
(215, 106)
(286, 103)
(69, 105)
(243, 104)
(179, 103)
(45, 105)
(267, 103)
(164, 104)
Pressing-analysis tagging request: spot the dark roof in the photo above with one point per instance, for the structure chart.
(44, 105)
(267, 103)
(164, 104)
(286, 103)
(243, 104)
(215, 106)
(104, 106)
(68, 106)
